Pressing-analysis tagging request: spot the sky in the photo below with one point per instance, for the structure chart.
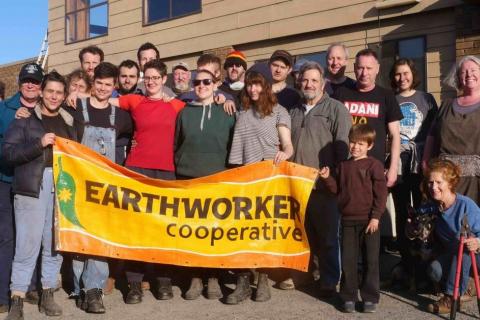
(23, 24)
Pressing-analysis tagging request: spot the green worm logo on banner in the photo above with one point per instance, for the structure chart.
(65, 190)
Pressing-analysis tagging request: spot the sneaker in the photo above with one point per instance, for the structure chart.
(369, 307)
(349, 306)
(442, 306)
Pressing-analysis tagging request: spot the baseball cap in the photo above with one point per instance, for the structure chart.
(181, 65)
(283, 55)
(31, 71)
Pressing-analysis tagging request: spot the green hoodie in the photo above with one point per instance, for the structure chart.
(202, 140)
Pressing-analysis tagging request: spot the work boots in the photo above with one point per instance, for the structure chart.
(263, 288)
(214, 291)
(94, 299)
(16, 309)
(164, 288)
(195, 290)
(48, 304)
(242, 291)
(135, 293)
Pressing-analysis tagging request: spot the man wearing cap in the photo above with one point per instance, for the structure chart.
(235, 65)
(337, 59)
(181, 78)
(29, 81)
(281, 63)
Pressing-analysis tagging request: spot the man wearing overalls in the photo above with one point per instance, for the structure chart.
(102, 124)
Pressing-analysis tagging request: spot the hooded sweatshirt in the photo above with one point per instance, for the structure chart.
(202, 140)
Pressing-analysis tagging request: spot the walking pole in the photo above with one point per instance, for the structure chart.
(455, 298)
(475, 270)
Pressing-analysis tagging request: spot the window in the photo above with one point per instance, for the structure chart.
(161, 10)
(319, 57)
(85, 19)
(389, 51)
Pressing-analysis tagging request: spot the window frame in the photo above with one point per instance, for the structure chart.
(87, 9)
(397, 56)
(146, 23)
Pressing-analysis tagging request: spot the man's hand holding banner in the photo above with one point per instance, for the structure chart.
(248, 217)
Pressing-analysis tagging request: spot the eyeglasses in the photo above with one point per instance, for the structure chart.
(154, 78)
(205, 82)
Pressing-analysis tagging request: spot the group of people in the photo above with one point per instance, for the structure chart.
(364, 139)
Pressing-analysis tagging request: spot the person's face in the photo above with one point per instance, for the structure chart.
(53, 95)
(89, 62)
(359, 149)
(403, 77)
(235, 72)
(145, 56)
(212, 67)
(312, 84)
(438, 187)
(337, 61)
(127, 78)
(366, 70)
(469, 75)
(280, 70)
(30, 89)
(204, 86)
(103, 88)
(153, 81)
(181, 78)
(77, 85)
(254, 91)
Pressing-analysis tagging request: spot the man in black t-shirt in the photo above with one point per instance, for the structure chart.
(337, 60)
(372, 104)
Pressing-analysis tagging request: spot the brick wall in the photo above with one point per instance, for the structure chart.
(9, 75)
(222, 54)
(468, 30)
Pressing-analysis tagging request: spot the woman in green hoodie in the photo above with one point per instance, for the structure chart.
(202, 143)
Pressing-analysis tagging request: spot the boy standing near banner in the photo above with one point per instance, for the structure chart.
(361, 189)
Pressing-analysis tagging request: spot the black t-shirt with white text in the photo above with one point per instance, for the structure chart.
(377, 107)
(54, 124)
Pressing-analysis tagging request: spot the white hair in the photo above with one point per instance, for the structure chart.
(452, 79)
(337, 44)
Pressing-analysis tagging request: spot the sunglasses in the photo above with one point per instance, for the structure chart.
(205, 82)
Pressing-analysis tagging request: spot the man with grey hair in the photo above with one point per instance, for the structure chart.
(320, 127)
(337, 60)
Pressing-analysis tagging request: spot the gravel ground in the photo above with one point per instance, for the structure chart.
(297, 304)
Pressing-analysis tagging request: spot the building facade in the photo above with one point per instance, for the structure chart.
(432, 32)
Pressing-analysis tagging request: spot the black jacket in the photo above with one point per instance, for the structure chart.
(22, 148)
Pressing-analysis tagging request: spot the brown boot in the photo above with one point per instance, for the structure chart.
(109, 286)
(442, 306)
(195, 290)
(213, 289)
(263, 288)
(48, 304)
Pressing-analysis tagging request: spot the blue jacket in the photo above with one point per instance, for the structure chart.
(8, 108)
(449, 224)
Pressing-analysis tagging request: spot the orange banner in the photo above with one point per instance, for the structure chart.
(247, 217)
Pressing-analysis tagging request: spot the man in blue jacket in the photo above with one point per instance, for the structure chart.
(29, 81)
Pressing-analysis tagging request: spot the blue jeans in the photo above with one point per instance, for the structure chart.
(443, 270)
(34, 229)
(323, 220)
(6, 240)
(93, 273)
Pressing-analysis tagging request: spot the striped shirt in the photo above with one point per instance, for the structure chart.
(255, 138)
